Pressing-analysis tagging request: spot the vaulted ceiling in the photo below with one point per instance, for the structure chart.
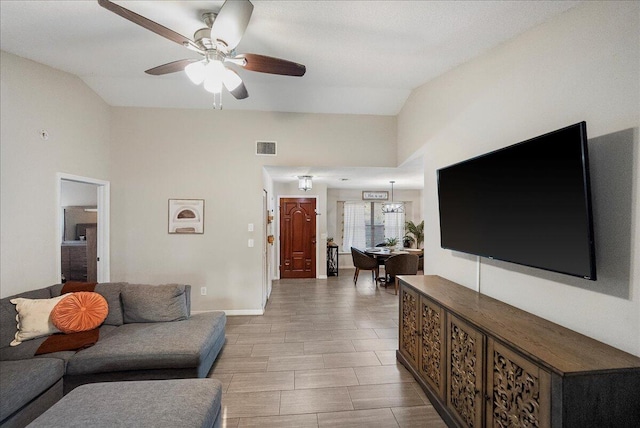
(362, 57)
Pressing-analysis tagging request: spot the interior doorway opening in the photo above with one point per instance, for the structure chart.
(82, 247)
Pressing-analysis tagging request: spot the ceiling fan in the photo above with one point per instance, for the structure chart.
(216, 43)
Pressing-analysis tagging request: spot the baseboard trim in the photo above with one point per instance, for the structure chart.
(322, 276)
(234, 312)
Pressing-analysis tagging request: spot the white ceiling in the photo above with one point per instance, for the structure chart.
(409, 176)
(362, 57)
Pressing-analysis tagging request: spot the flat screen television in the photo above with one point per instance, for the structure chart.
(529, 203)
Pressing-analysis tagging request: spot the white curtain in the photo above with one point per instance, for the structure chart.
(354, 226)
(394, 226)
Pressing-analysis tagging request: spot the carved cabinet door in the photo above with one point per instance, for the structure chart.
(465, 364)
(409, 327)
(432, 343)
(518, 391)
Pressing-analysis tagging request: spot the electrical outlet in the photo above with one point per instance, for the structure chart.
(203, 291)
(250, 228)
(250, 243)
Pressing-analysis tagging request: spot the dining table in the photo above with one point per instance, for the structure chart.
(382, 254)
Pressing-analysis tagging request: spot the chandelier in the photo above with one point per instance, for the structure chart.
(392, 207)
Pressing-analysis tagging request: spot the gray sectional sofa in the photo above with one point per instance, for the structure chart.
(149, 334)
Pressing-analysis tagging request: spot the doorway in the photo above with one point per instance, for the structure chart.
(297, 238)
(83, 228)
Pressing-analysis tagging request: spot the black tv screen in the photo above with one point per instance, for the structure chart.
(529, 203)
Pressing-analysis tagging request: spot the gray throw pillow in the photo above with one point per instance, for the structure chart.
(154, 303)
(111, 292)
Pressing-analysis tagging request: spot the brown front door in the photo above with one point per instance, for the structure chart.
(297, 238)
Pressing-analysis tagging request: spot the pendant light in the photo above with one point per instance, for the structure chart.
(392, 207)
(304, 182)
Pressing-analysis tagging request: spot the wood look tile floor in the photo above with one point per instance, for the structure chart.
(322, 355)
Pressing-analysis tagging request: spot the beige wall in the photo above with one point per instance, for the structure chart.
(35, 97)
(582, 65)
(163, 153)
(153, 155)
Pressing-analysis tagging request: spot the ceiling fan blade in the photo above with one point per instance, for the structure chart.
(234, 85)
(268, 64)
(231, 22)
(147, 23)
(170, 67)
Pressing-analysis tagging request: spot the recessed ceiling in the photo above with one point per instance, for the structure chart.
(362, 57)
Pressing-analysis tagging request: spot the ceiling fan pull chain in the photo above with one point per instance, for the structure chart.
(217, 101)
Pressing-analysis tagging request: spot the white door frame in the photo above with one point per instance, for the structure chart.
(265, 249)
(104, 196)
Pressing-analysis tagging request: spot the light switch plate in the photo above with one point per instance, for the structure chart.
(250, 227)
(250, 243)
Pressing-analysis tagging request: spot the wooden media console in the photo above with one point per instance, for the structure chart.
(484, 363)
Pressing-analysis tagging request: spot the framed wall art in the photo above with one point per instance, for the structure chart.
(369, 195)
(186, 216)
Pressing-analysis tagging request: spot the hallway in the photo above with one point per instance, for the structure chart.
(323, 354)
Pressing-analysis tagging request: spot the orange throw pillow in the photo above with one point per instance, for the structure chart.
(81, 311)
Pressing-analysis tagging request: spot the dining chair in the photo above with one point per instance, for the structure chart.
(401, 264)
(364, 262)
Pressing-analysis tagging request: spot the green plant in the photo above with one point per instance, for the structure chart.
(391, 242)
(417, 232)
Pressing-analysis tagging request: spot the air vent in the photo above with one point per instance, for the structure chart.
(266, 148)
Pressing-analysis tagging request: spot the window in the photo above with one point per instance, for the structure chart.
(374, 223)
(364, 225)
(353, 226)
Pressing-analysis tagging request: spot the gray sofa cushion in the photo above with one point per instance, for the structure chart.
(111, 292)
(193, 403)
(22, 381)
(143, 346)
(28, 349)
(154, 303)
(8, 313)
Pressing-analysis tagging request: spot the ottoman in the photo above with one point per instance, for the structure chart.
(151, 403)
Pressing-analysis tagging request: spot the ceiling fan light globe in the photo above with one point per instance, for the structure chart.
(214, 70)
(231, 80)
(213, 85)
(195, 72)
